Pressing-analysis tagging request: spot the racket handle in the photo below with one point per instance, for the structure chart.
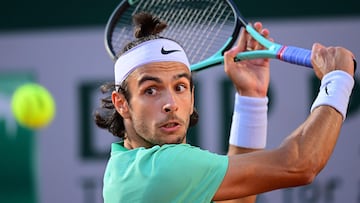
(295, 55)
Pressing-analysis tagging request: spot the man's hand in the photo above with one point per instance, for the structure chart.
(250, 77)
(327, 59)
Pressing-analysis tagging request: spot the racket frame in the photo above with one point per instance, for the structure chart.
(111, 25)
(273, 50)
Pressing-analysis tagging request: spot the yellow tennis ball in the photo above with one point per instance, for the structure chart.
(33, 106)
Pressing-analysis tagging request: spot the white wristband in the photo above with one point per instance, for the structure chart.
(335, 91)
(249, 122)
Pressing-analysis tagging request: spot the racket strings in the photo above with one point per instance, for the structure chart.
(200, 26)
(211, 30)
(186, 21)
(195, 32)
(122, 33)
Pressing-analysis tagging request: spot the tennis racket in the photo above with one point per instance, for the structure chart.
(205, 28)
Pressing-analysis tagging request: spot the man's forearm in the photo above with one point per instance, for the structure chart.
(233, 150)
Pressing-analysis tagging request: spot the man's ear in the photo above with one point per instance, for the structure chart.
(120, 103)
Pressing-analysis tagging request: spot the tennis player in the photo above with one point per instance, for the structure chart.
(151, 108)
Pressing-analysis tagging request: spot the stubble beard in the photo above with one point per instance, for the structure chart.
(142, 131)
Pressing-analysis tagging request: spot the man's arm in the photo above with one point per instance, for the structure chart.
(249, 122)
(296, 162)
(233, 150)
(248, 130)
(305, 152)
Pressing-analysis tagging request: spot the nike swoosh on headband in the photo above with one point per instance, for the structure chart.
(163, 51)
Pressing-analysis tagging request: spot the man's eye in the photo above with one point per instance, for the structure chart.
(150, 91)
(181, 87)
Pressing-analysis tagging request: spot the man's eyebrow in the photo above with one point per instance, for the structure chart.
(158, 80)
(183, 75)
(147, 78)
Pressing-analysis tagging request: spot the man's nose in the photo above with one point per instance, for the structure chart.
(170, 104)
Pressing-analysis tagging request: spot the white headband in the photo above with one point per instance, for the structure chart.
(156, 50)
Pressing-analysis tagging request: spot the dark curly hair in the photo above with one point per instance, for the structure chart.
(147, 27)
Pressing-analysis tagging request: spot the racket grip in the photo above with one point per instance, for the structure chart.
(295, 55)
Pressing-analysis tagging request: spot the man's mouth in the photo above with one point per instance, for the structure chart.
(170, 125)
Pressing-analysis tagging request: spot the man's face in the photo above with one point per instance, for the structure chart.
(161, 104)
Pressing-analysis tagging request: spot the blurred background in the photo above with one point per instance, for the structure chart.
(60, 45)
